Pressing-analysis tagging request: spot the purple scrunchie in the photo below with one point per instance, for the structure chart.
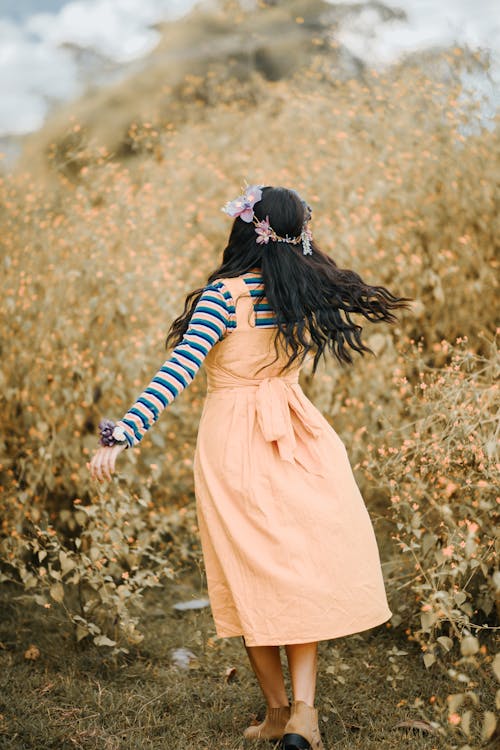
(106, 427)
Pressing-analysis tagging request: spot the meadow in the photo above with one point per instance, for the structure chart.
(100, 245)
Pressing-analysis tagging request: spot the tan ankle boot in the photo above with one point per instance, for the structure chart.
(302, 731)
(272, 727)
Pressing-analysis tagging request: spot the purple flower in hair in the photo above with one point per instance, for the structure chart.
(243, 205)
(264, 231)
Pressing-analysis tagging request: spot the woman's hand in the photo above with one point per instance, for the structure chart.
(103, 461)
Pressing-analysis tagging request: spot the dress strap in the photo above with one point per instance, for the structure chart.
(243, 302)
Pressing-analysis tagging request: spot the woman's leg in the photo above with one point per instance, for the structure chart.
(302, 728)
(303, 664)
(266, 664)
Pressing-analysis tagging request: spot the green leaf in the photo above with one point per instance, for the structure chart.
(455, 701)
(469, 645)
(66, 562)
(445, 642)
(57, 592)
(428, 619)
(465, 723)
(496, 666)
(81, 517)
(103, 640)
(489, 725)
(81, 632)
(429, 660)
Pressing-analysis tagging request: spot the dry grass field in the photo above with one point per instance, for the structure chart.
(373, 690)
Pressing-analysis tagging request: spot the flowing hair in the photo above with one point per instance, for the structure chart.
(311, 297)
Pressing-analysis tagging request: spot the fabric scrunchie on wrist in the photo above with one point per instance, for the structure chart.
(111, 434)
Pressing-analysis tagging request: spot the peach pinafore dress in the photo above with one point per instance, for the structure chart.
(289, 549)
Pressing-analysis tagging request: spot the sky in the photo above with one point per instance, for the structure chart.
(51, 50)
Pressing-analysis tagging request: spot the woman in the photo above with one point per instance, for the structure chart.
(289, 550)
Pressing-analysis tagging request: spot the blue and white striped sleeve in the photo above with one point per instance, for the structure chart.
(210, 320)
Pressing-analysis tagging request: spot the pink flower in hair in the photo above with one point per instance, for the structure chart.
(264, 231)
(243, 205)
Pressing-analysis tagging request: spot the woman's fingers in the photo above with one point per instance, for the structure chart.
(96, 466)
(102, 464)
(105, 471)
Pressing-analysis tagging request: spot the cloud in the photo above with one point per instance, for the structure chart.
(39, 67)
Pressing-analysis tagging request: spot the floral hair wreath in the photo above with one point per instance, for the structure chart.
(242, 206)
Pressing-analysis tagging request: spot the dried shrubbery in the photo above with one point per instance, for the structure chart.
(401, 177)
(440, 467)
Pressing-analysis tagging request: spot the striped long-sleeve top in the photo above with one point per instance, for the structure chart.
(213, 316)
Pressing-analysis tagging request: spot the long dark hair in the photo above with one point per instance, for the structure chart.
(311, 297)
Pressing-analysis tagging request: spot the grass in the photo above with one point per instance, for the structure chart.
(76, 697)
